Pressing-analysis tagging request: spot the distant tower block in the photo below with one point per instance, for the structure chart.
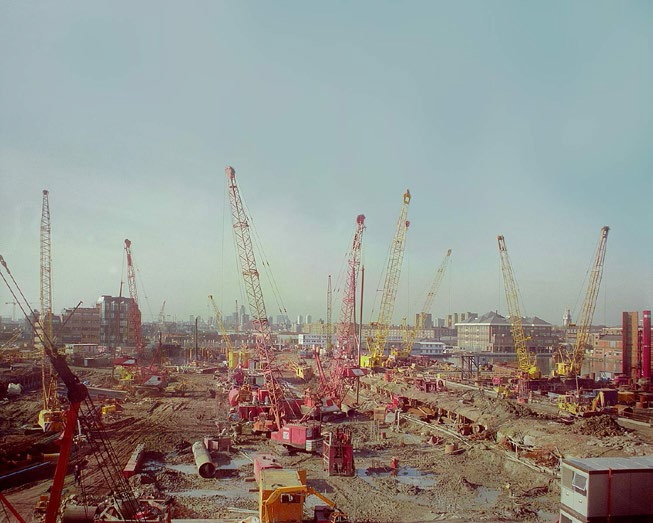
(566, 318)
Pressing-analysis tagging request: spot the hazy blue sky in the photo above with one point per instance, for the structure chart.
(527, 119)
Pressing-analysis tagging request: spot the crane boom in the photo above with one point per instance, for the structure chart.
(280, 408)
(390, 286)
(134, 314)
(345, 333)
(428, 303)
(572, 363)
(329, 324)
(48, 377)
(223, 330)
(525, 361)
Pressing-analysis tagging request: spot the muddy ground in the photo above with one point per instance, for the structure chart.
(477, 483)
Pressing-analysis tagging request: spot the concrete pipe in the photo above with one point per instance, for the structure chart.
(203, 460)
(78, 514)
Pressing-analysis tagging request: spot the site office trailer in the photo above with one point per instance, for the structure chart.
(595, 490)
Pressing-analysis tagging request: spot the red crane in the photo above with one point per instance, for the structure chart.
(281, 409)
(346, 339)
(134, 313)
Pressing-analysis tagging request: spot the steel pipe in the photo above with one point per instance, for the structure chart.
(205, 465)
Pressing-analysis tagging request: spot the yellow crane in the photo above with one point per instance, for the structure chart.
(572, 362)
(233, 356)
(428, 303)
(376, 342)
(525, 360)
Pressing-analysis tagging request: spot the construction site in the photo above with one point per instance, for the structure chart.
(354, 428)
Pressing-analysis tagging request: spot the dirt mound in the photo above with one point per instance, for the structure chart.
(600, 426)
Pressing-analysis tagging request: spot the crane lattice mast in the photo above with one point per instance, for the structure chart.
(47, 376)
(575, 361)
(329, 324)
(428, 303)
(134, 314)
(345, 331)
(391, 284)
(223, 330)
(525, 361)
(280, 408)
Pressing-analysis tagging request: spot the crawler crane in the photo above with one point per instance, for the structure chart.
(223, 331)
(344, 367)
(51, 417)
(376, 343)
(282, 410)
(525, 360)
(571, 362)
(135, 370)
(428, 303)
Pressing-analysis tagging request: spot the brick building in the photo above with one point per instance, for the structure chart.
(491, 333)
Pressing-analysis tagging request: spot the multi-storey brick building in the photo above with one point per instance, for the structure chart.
(82, 326)
(115, 330)
(491, 333)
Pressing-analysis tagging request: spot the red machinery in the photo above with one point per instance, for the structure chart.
(123, 504)
(281, 410)
(338, 453)
(346, 367)
(132, 369)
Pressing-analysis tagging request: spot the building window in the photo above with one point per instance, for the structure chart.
(579, 483)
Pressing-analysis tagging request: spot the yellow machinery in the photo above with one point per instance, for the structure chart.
(376, 342)
(571, 362)
(223, 330)
(428, 303)
(525, 360)
(281, 498)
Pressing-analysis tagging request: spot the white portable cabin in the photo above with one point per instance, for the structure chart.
(594, 490)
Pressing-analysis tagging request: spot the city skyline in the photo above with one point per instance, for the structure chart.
(128, 117)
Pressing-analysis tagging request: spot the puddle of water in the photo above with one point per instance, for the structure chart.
(406, 475)
(487, 495)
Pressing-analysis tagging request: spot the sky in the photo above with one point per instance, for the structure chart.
(532, 120)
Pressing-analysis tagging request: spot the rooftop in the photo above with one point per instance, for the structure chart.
(494, 318)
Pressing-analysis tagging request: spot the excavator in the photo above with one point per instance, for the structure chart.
(322, 514)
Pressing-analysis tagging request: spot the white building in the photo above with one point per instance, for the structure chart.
(606, 489)
(428, 348)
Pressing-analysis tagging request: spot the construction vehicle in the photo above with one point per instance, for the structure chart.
(376, 342)
(81, 413)
(571, 362)
(281, 498)
(404, 354)
(278, 410)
